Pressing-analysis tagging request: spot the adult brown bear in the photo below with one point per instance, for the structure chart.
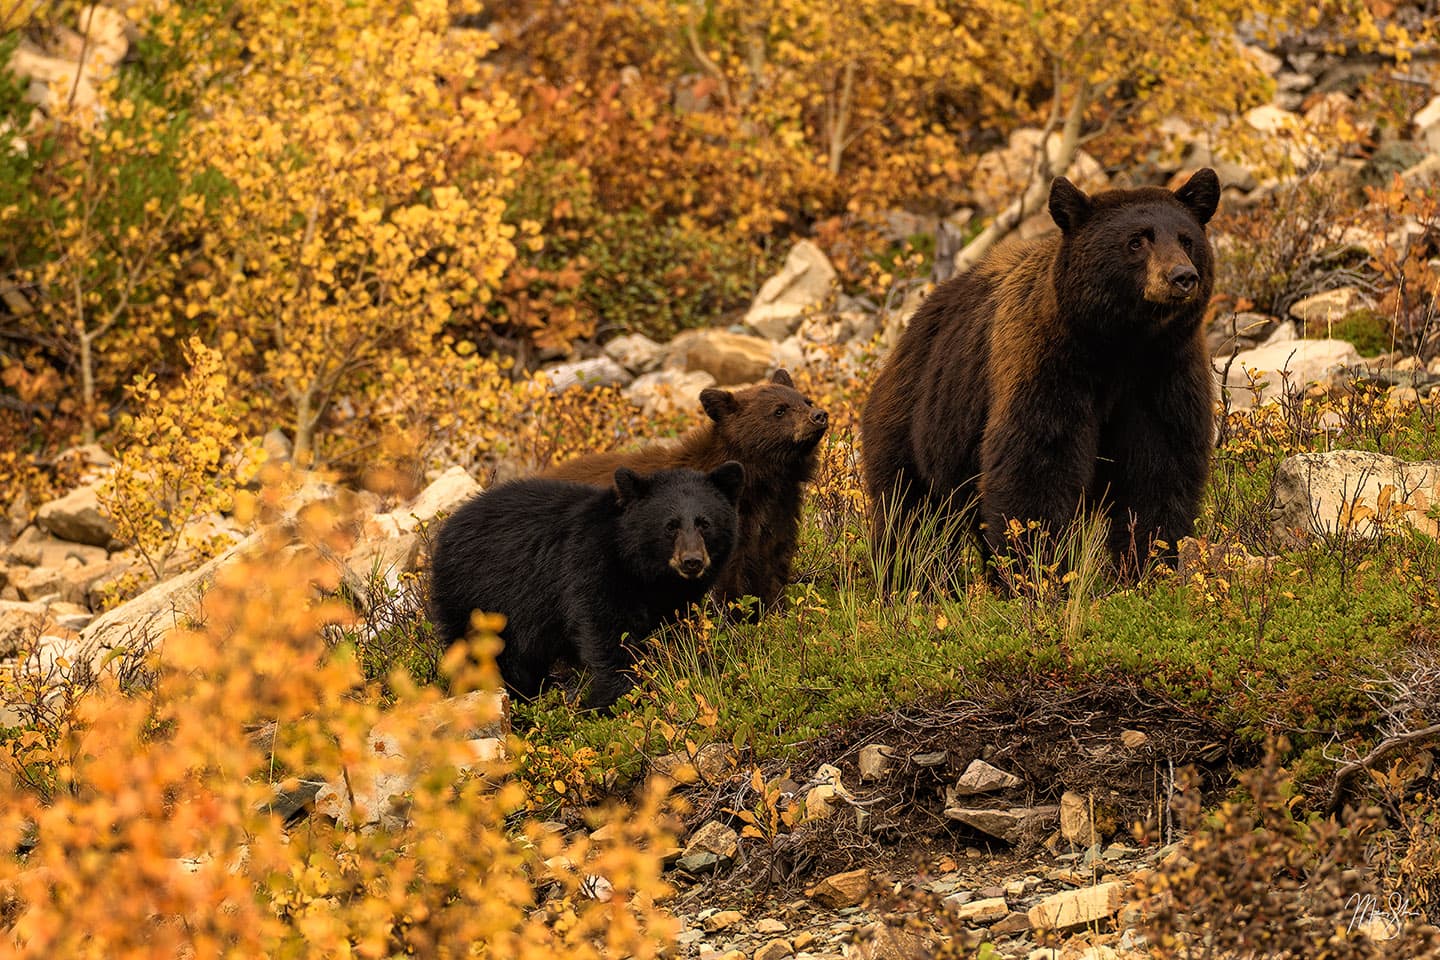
(1064, 370)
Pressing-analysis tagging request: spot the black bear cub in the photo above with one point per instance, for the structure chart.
(579, 572)
(1070, 369)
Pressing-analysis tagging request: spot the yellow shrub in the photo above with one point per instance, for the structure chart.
(162, 844)
(171, 467)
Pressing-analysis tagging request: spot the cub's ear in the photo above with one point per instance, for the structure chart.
(782, 377)
(729, 477)
(1069, 207)
(629, 486)
(719, 404)
(1201, 193)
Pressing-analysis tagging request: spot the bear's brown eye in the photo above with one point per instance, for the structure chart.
(1186, 243)
(779, 411)
(672, 526)
(1137, 241)
(701, 523)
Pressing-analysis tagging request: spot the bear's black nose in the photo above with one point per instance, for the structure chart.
(692, 566)
(1183, 278)
(819, 416)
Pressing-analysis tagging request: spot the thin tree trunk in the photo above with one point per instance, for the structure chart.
(305, 420)
(840, 119)
(703, 59)
(87, 386)
(1041, 173)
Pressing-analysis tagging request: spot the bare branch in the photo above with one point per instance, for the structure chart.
(1042, 170)
(840, 120)
(703, 59)
(1345, 774)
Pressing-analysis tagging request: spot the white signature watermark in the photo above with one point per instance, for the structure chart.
(1382, 920)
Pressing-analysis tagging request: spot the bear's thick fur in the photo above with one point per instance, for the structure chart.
(770, 429)
(576, 570)
(1064, 370)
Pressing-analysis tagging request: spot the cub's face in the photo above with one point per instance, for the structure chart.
(679, 523)
(772, 420)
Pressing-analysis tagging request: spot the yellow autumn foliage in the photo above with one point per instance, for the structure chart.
(365, 202)
(174, 462)
(159, 840)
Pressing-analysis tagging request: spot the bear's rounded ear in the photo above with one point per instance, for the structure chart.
(782, 377)
(1069, 207)
(629, 486)
(729, 477)
(1201, 193)
(718, 404)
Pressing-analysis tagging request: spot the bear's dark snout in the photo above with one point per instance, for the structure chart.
(690, 558)
(1183, 278)
(1170, 275)
(819, 417)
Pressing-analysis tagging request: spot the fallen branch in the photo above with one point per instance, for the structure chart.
(1345, 774)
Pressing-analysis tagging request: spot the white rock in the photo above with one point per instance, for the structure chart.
(713, 837)
(141, 621)
(1328, 108)
(19, 622)
(50, 652)
(1001, 175)
(443, 495)
(794, 353)
(1009, 824)
(802, 286)
(896, 321)
(1075, 823)
(731, 358)
(1350, 490)
(981, 777)
(1285, 133)
(595, 372)
(980, 911)
(1427, 125)
(77, 517)
(837, 328)
(1279, 367)
(1283, 333)
(1076, 908)
(1327, 307)
(53, 82)
(875, 761)
(821, 800)
(1267, 62)
(665, 391)
(1426, 173)
(106, 39)
(635, 352)
(1271, 119)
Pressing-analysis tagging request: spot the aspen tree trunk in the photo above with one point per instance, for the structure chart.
(1044, 169)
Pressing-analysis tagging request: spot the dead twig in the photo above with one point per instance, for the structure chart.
(1345, 774)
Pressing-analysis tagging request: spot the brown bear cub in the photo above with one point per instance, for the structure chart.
(1066, 370)
(772, 430)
